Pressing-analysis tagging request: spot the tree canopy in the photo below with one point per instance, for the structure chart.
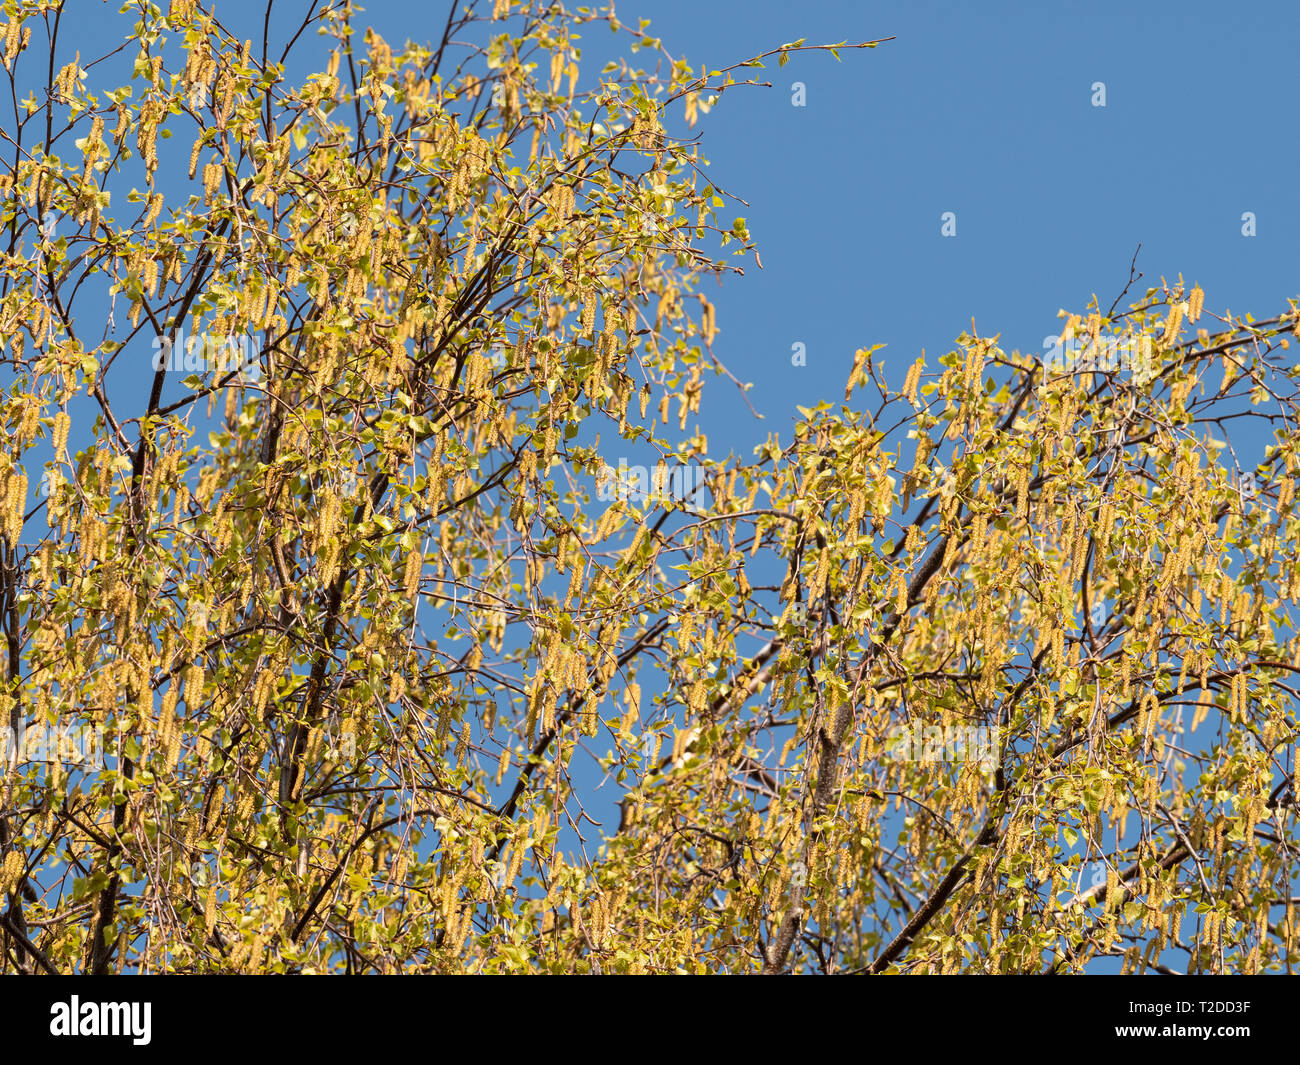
(309, 379)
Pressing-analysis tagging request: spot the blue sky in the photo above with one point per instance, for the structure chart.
(985, 110)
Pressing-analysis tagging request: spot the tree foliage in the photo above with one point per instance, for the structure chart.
(352, 614)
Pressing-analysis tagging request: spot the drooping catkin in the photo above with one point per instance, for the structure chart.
(913, 379)
(12, 871)
(12, 40)
(1173, 325)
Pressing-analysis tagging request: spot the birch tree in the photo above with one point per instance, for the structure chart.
(316, 600)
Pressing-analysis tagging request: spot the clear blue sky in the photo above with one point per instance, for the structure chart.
(985, 110)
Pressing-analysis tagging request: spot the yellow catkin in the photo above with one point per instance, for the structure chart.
(155, 209)
(823, 572)
(12, 39)
(211, 179)
(17, 500)
(414, 566)
(1172, 326)
(12, 871)
(62, 423)
(1150, 711)
(708, 321)
(214, 811)
(913, 379)
(1112, 888)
